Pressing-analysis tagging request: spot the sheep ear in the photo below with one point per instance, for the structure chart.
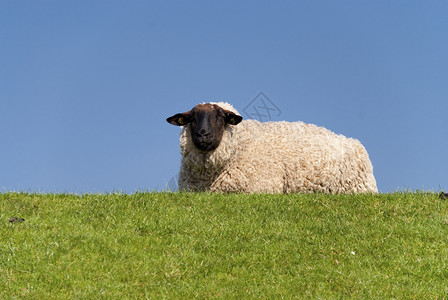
(232, 118)
(180, 119)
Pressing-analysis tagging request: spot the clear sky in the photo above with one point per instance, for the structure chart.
(86, 86)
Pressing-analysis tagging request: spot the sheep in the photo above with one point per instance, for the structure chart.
(222, 153)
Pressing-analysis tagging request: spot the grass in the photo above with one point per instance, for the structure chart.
(186, 245)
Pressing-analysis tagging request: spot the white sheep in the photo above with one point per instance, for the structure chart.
(222, 153)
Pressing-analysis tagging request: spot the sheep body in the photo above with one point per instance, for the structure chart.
(276, 157)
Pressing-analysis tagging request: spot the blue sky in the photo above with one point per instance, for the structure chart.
(86, 86)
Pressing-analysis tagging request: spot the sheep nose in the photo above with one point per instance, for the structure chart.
(203, 133)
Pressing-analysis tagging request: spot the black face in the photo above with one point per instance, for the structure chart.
(207, 123)
(207, 127)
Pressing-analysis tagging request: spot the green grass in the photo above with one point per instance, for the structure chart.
(186, 245)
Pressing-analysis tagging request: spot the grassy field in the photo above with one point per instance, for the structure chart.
(186, 245)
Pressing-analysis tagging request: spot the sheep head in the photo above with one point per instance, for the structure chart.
(207, 123)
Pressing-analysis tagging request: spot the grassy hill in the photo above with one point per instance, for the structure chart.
(185, 245)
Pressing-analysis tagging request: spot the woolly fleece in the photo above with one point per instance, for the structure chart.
(276, 157)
